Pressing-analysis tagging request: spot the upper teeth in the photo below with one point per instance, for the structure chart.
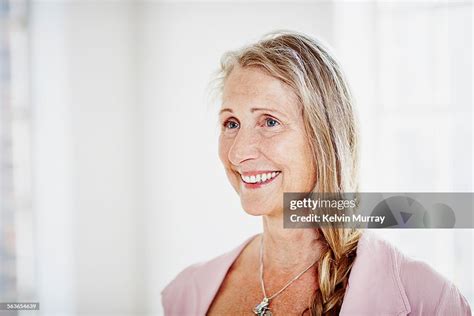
(262, 177)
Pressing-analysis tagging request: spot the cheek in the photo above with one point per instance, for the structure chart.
(305, 160)
(293, 154)
(224, 147)
(306, 171)
(290, 151)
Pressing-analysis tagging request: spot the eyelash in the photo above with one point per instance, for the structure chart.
(226, 123)
(272, 119)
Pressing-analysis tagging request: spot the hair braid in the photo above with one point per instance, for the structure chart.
(333, 270)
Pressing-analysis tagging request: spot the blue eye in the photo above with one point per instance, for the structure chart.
(269, 122)
(231, 124)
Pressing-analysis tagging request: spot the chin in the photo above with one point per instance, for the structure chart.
(258, 209)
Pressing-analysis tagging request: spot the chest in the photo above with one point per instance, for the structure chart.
(241, 292)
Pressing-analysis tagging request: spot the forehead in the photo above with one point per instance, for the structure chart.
(251, 86)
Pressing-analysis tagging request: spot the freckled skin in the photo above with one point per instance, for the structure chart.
(273, 139)
(240, 291)
(249, 144)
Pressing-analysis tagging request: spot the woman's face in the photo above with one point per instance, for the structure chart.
(263, 144)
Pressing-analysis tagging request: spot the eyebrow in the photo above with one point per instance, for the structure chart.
(264, 109)
(252, 110)
(225, 110)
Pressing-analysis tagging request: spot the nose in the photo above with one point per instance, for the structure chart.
(246, 146)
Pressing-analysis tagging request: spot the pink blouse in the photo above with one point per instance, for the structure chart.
(383, 281)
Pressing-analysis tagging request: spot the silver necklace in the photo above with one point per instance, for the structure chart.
(263, 309)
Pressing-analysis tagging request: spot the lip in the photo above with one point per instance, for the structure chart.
(261, 184)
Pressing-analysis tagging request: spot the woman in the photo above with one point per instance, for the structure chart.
(288, 126)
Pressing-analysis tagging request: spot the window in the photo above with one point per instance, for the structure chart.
(16, 217)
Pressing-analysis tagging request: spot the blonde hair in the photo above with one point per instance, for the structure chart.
(316, 78)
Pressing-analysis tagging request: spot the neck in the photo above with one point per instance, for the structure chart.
(287, 250)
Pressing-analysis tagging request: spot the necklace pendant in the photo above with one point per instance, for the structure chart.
(267, 313)
(262, 309)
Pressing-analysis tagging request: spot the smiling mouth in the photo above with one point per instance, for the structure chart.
(259, 179)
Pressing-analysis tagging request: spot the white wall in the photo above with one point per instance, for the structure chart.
(87, 157)
(106, 132)
(53, 200)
